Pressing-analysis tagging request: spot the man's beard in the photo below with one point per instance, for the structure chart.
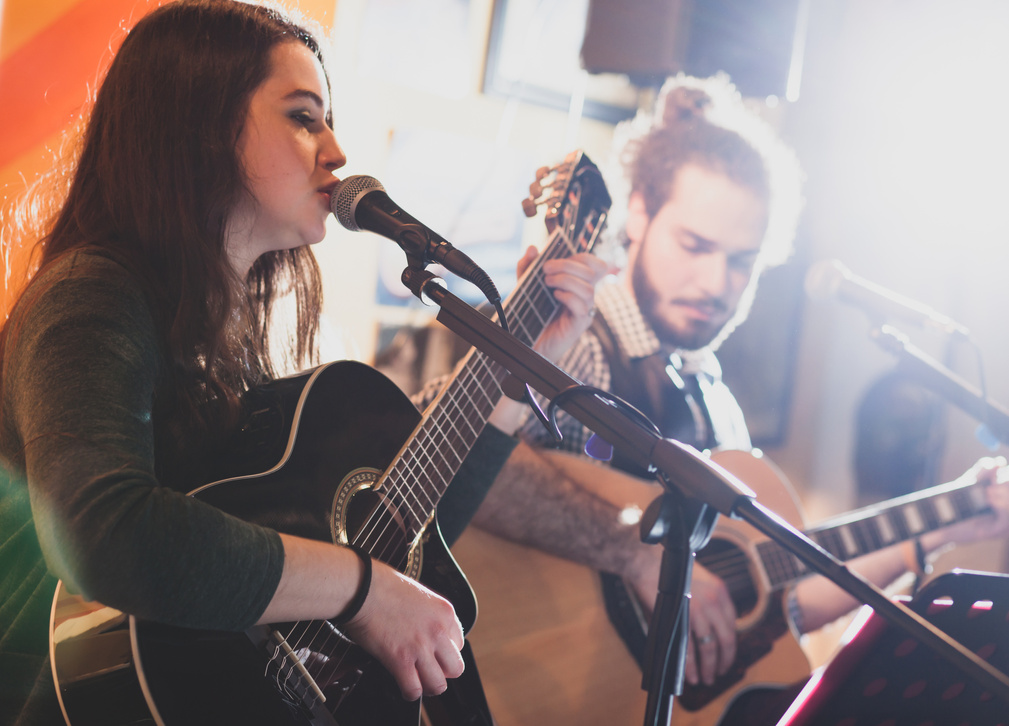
(692, 337)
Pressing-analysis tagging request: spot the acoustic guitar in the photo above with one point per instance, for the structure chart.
(550, 653)
(337, 454)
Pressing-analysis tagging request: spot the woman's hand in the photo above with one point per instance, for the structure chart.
(411, 630)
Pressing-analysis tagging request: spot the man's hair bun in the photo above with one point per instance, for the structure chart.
(684, 105)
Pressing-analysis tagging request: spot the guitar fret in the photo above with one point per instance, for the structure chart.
(780, 561)
(944, 509)
(850, 548)
(440, 459)
(489, 369)
(474, 399)
(779, 564)
(447, 431)
(522, 332)
(887, 535)
(452, 444)
(472, 395)
(962, 504)
(913, 519)
(490, 387)
(475, 403)
(867, 530)
(769, 557)
(795, 568)
(459, 413)
(429, 466)
(429, 463)
(896, 521)
(467, 436)
(539, 302)
(410, 508)
(830, 540)
(932, 519)
(978, 501)
(866, 536)
(427, 460)
(521, 326)
(542, 304)
(460, 434)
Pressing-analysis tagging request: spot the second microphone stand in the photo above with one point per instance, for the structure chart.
(933, 375)
(696, 490)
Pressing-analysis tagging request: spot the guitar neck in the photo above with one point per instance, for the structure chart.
(424, 468)
(876, 527)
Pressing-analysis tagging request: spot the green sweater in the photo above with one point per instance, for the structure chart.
(80, 386)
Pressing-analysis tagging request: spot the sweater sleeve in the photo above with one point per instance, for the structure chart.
(469, 486)
(81, 369)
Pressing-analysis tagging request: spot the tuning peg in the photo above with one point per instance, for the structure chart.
(535, 190)
(529, 206)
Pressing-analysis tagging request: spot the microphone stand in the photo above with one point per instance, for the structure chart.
(696, 490)
(932, 374)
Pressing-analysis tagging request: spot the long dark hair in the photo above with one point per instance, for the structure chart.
(158, 172)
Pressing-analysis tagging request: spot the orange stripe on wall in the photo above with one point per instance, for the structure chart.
(24, 19)
(46, 81)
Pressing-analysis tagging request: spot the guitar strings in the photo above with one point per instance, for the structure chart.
(539, 299)
(372, 536)
(866, 535)
(307, 640)
(479, 368)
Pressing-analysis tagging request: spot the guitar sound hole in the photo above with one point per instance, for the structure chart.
(374, 523)
(731, 564)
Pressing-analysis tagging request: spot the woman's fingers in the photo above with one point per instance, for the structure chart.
(412, 631)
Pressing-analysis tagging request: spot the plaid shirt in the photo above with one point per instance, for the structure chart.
(586, 361)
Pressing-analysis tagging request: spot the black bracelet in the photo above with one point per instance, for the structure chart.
(354, 606)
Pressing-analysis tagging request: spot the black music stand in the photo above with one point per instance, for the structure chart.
(882, 676)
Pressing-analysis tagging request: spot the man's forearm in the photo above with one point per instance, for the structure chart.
(536, 503)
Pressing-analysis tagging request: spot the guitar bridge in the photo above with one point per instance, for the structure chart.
(287, 670)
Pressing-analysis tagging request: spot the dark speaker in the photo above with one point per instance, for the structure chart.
(644, 39)
(756, 42)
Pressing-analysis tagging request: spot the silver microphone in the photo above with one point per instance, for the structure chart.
(828, 279)
(361, 203)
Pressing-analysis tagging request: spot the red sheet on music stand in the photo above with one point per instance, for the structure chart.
(883, 677)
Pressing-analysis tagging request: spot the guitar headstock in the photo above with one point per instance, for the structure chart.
(575, 198)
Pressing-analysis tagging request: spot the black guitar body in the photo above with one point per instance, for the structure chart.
(338, 454)
(306, 465)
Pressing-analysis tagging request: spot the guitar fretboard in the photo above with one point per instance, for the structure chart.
(450, 427)
(873, 528)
